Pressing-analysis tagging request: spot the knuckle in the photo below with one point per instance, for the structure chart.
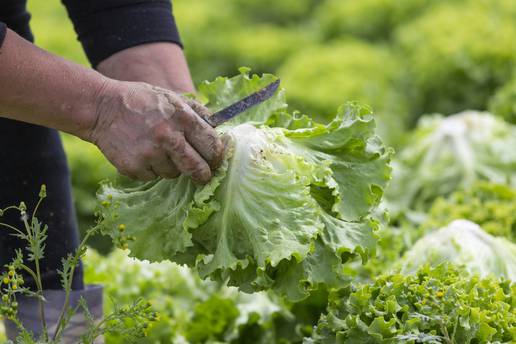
(191, 164)
(201, 174)
(186, 117)
(161, 133)
(177, 143)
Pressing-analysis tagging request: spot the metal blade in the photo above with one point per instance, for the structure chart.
(242, 105)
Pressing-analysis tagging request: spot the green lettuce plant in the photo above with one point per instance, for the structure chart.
(88, 168)
(190, 309)
(289, 206)
(447, 154)
(369, 19)
(279, 12)
(235, 38)
(503, 102)
(464, 243)
(491, 206)
(350, 70)
(393, 242)
(436, 305)
(458, 54)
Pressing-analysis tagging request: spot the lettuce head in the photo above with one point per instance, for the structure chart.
(190, 310)
(435, 305)
(463, 243)
(491, 206)
(447, 154)
(288, 207)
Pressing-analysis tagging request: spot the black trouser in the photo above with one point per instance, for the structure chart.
(30, 156)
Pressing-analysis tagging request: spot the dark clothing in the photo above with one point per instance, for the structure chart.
(31, 155)
(14, 14)
(105, 27)
(2, 33)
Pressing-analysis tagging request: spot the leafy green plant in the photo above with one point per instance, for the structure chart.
(187, 305)
(349, 70)
(234, 40)
(264, 47)
(393, 242)
(281, 213)
(436, 305)
(211, 319)
(503, 102)
(88, 168)
(195, 18)
(458, 54)
(491, 206)
(464, 243)
(279, 12)
(368, 19)
(34, 234)
(448, 154)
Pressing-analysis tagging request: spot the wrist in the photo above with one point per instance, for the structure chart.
(104, 97)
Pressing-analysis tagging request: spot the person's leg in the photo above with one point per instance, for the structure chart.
(29, 157)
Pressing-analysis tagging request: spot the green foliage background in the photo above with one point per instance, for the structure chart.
(405, 58)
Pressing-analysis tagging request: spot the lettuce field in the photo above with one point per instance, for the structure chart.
(371, 200)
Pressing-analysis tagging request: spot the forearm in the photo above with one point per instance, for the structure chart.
(161, 64)
(144, 130)
(40, 88)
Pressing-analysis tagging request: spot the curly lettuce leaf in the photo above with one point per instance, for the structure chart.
(189, 307)
(152, 211)
(223, 91)
(286, 210)
(436, 305)
(491, 206)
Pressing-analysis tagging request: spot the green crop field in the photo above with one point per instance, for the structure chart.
(378, 206)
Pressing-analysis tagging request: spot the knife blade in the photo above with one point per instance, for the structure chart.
(242, 105)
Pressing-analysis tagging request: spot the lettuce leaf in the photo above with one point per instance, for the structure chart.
(447, 154)
(286, 210)
(223, 92)
(436, 305)
(463, 243)
(202, 311)
(491, 206)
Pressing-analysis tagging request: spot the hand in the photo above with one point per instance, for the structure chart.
(146, 132)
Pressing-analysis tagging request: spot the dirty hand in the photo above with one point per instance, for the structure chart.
(148, 132)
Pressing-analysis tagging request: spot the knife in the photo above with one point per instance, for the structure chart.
(242, 105)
